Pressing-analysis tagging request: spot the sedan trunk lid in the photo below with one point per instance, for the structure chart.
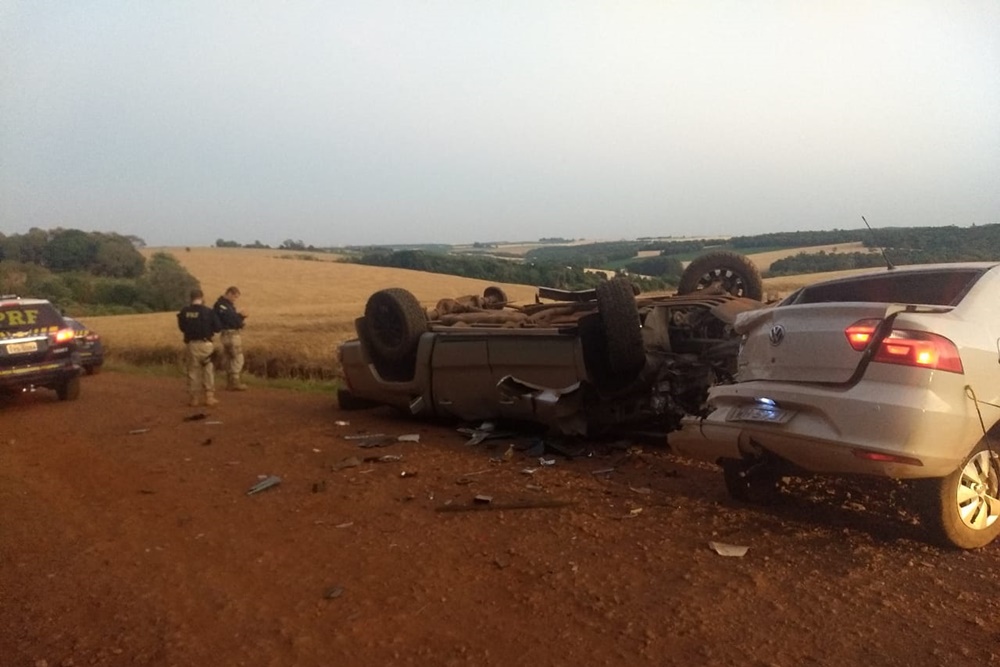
(804, 343)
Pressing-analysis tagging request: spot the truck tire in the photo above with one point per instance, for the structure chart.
(494, 298)
(734, 272)
(622, 330)
(395, 322)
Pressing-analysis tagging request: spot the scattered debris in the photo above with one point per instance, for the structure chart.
(463, 481)
(566, 451)
(350, 462)
(213, 423)
(364, 436)
(408, 473)
(529, 471)
(602, 471)
(516, 505)
(138, 431)
(387, 458)
(319, 487)
(333, 592)
(344, 525)
(377, 441)
(730, 550)
(206, 442)
(409, 437)
(644, 490)
(483, 499)
(264, 484)
(546, 462)
(341, 422)
(485, 431)
(195, 417)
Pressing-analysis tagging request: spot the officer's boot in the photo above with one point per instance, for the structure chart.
(235, 384)
(210, 399)
(195, 401)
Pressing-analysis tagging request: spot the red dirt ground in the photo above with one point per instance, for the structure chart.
(144, 549)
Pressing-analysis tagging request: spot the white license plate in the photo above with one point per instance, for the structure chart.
(760, 413)
(21, 348)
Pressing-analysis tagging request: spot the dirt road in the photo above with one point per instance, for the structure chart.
(127, 538)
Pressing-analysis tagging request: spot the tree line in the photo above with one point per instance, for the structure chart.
(539, 273)
(91, 273)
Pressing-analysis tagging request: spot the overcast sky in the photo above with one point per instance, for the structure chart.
(341, 123)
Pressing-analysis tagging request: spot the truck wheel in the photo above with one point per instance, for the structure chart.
(69, 390)
(622, 330)
(396, 321)
(494, 298)
(963, 509)
(732, 271)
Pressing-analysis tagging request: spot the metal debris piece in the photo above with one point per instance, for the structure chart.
(408, 473)
(364, 436)
(387, 458)
(351, 462)
(377, 441)
(529, 471)
(195, 417)
(138, 431)
(409, 437)
(483, 499)
(264, 484)
(516, 505)
(333, 592)
(730, 550)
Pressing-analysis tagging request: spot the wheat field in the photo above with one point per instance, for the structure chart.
(300, 306)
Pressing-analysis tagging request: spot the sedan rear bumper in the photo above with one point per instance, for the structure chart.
(874, 428)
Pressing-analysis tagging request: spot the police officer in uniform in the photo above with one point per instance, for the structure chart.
(232, 340)
(199, 323)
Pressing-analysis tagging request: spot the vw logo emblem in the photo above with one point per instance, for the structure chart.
(776, 335)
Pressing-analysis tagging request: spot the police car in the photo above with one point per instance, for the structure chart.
(37, 349)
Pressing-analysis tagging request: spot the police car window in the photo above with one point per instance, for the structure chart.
(19, 317)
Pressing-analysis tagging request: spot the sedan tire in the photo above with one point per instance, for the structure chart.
(963, 509)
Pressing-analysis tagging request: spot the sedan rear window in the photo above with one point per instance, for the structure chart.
(22, 317)
(944, 287)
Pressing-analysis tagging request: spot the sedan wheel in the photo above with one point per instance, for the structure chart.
(965, 511)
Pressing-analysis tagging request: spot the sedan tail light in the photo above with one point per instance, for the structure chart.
(906, 347)
(63, 336)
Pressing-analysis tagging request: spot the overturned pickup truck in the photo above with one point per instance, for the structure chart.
(580, 363)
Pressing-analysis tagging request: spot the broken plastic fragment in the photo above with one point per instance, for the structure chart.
(731, 550)
(264, 484)
(409, 437)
